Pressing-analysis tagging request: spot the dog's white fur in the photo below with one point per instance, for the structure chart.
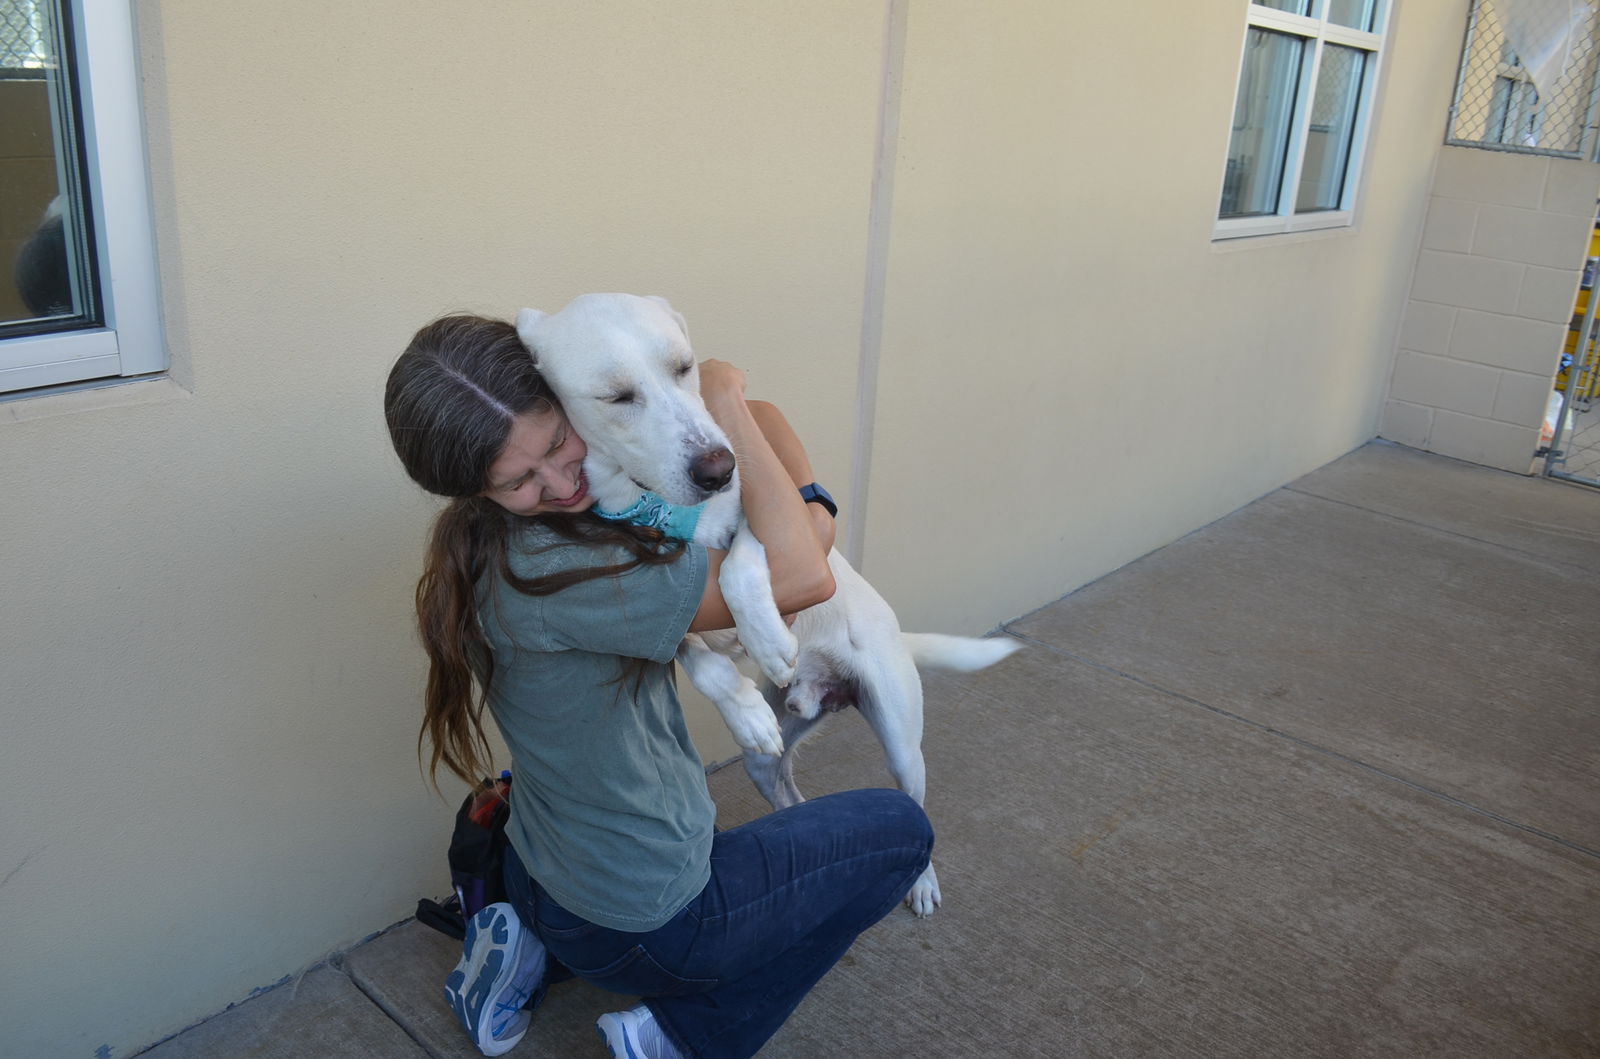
(627, 379)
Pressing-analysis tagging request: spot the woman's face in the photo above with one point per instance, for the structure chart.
(540, 471)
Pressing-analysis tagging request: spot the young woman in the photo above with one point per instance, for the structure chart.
(565, 627)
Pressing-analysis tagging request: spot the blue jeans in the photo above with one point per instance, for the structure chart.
(789, 893)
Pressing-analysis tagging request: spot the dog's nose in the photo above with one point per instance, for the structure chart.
(712, 469)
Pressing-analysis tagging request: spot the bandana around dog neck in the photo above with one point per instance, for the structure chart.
(673, 520)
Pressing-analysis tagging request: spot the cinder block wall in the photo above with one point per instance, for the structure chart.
(1491, 297)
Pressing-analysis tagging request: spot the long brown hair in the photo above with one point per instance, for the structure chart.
(451, 401)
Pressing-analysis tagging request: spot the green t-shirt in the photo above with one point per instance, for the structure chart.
(609, 806)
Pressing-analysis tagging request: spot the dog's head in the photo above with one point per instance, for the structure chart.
(622, 367)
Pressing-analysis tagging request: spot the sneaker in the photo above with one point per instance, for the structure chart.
(503, 963)
(634, 1034)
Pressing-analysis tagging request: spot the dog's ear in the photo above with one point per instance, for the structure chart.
(683, 325)
(527, 320)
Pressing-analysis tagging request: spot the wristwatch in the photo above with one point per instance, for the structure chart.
(815, 494)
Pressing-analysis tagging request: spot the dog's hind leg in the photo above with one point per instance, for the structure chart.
(891, 701)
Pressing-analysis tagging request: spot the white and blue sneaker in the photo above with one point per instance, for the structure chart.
(503, 963)
(635, 1034)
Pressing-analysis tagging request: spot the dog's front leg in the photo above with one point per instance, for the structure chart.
(750, 720)
(746, 583)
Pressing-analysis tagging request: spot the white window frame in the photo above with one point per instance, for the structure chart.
(115, 174)
(1320, 32)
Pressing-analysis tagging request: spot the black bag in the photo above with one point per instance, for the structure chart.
(477, 859)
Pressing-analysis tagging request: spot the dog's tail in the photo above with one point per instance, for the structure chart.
(965, 654)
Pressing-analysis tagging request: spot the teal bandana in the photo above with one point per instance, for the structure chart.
(650, 510)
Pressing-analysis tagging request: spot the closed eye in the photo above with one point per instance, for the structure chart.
(683, 369)
(622, 397)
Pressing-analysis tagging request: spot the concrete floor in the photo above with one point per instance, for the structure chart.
(1315, 780)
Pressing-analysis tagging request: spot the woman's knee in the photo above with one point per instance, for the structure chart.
(891, 813)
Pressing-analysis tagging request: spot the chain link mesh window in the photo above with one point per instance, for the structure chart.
(1497, 105)
(24, 38)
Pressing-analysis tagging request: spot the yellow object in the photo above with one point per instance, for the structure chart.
(1588, 365)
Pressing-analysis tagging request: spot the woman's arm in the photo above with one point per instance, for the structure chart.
(796, 558)
(786, 444)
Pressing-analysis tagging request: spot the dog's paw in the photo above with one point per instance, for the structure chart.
(924, 896)
(755, 728)
(778, 659)
(782, 674)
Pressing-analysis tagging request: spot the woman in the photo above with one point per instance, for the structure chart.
(565, 626)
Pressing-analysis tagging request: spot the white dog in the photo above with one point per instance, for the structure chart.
(625, 374)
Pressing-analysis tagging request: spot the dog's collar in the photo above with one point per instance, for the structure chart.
(673, 520)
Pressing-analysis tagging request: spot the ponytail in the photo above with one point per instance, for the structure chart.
(460, 665)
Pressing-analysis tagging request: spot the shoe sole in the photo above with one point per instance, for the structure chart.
(497, 980)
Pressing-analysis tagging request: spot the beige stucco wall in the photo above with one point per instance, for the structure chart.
(210, 686)
(1052, 224)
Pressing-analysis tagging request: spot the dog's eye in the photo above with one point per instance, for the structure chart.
(622, 397)
(683, 369)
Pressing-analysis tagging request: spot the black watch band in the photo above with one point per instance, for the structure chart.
(815, 494)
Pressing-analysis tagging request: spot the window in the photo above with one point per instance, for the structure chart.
(78, 285)
(1300, 118)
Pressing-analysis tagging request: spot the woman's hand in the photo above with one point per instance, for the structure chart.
(721, 385)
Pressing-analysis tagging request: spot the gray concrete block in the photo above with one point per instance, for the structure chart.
(321, 1014)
